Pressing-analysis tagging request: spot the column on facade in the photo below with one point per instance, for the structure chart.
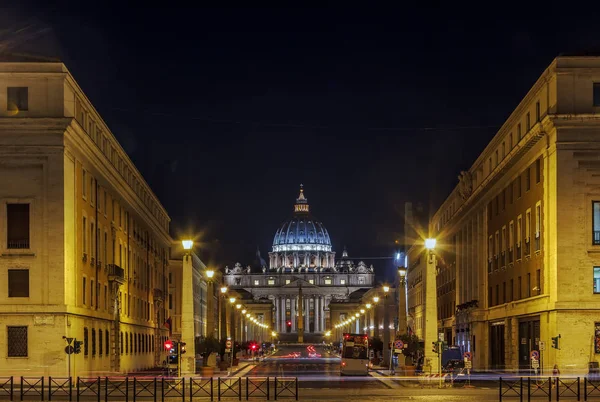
(293, 312)
(316, 316)
(322, 313)
(306, 315)
(283, 323)
(278, 313)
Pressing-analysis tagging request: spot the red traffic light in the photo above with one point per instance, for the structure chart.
(289, 323)
(168, 345)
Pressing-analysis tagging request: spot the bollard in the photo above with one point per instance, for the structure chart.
(296, 388)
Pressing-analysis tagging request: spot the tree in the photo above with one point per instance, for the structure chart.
(206, 346)
(413, 349)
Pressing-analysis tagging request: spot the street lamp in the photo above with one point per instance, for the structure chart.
(431, 323)
(402, 326)
(430, 244)
(188, 364)
(386, 329)
(223, 312)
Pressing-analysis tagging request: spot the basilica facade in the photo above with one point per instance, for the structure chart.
(302, 257)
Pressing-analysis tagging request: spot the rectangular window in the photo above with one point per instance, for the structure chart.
(256, 282)
(18, 98)
(92, 239)
(93, 342)
(497, 294)
(84, 184)
(510, 141)
(503, 150)
(496, 243)
(107, 342)
(537, 111)
(538, 173)
(528, 179)
(528, 225)
(17, 226)
(596, 279)
(170, 301)
(342, 281)
(538, 220)
(518, 132)
(503, 240)
(311, 281)
(596, 222)
(85, 342)
(519, 230)
(16, 339)
(92, 191)
(528, 121)
(490, 166)
(99, 342)
(271, 282)
(84, 289)
(105, 297)
(538, 282)
(327, 281)
(84, 234)
(287, 281)
(18, 283)
(511, 235)
(92, 292)
(596, 93)
(519, 186)
(496, 159)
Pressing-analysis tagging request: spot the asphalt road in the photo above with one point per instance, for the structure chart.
(314, 371)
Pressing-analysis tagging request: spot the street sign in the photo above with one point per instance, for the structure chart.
(468, 364)
(398, 344)
(69, 350)
(542, 345)
(468, 355)
(535, 363)
(228, 344)
(534, 355)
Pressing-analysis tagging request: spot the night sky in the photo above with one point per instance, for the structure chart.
(226, 111)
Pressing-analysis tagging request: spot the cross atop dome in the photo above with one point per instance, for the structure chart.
(301, 205)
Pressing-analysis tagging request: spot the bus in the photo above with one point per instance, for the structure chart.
(355, 354)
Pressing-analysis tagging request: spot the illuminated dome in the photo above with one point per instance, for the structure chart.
(302, 231)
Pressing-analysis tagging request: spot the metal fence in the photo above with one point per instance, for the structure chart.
(149, 388)
(548, 388)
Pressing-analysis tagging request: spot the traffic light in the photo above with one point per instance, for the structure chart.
(182, 347)
(436, 347)
(444, 346)
(77, 346)
(253, 346)
(555, 343)
(289, 323)
(168, 344)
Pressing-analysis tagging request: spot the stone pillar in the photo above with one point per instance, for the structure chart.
(283, 323)
(402, 320)
(188, 361)
(431, 321)
(293, 312)
(376, 320)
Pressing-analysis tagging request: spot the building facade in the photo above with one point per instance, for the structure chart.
(83, 239)
(302, 256)
(518, 245)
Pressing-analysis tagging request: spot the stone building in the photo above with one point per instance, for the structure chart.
(83, 239)
(518, 245)
(302, 256)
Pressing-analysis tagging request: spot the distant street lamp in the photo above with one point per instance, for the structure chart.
(386, 329)
(188, 363)
(210, 308)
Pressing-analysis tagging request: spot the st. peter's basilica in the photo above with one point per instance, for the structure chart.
(302, 257)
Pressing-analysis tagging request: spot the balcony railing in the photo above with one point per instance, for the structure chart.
(596, 237)
(115, 273)
(527, 247)
(518, 251)
(18, 244)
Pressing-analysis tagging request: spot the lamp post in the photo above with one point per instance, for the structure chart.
(188, 363)
(402, 324)
(375, 316)
(223, 312)
(210, 303)
(386, 329)
(232, 333)
(431, 330)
